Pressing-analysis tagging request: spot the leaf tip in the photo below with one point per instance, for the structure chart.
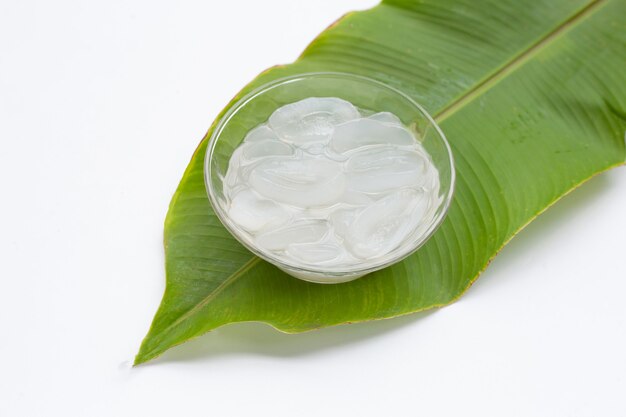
(143, 357)
(145, 353)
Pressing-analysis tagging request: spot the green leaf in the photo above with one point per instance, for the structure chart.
(532, 97)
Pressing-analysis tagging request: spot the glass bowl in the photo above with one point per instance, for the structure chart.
(366, 94)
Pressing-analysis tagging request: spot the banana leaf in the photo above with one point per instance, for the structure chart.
(532, 97)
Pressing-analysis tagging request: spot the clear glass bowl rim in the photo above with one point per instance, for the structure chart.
(223, 217)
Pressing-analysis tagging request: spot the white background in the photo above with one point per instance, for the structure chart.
(102, 104)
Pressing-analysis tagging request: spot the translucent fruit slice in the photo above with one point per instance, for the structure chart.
(386, 117)
(304, 231)
(232, 174)
(342, 219)
(260, 149)
(314, 253)
(363, 132)
(242, 159)
(355, 197)
(383, 226)
(380, 169)
(312, 119)
(261, 133)
(304, 182)
(254, 213)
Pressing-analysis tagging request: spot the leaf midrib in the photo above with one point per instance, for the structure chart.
(206, 300)
(519, 60)
(481, 87)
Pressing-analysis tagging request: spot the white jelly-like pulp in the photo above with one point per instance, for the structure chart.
(326, 186)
